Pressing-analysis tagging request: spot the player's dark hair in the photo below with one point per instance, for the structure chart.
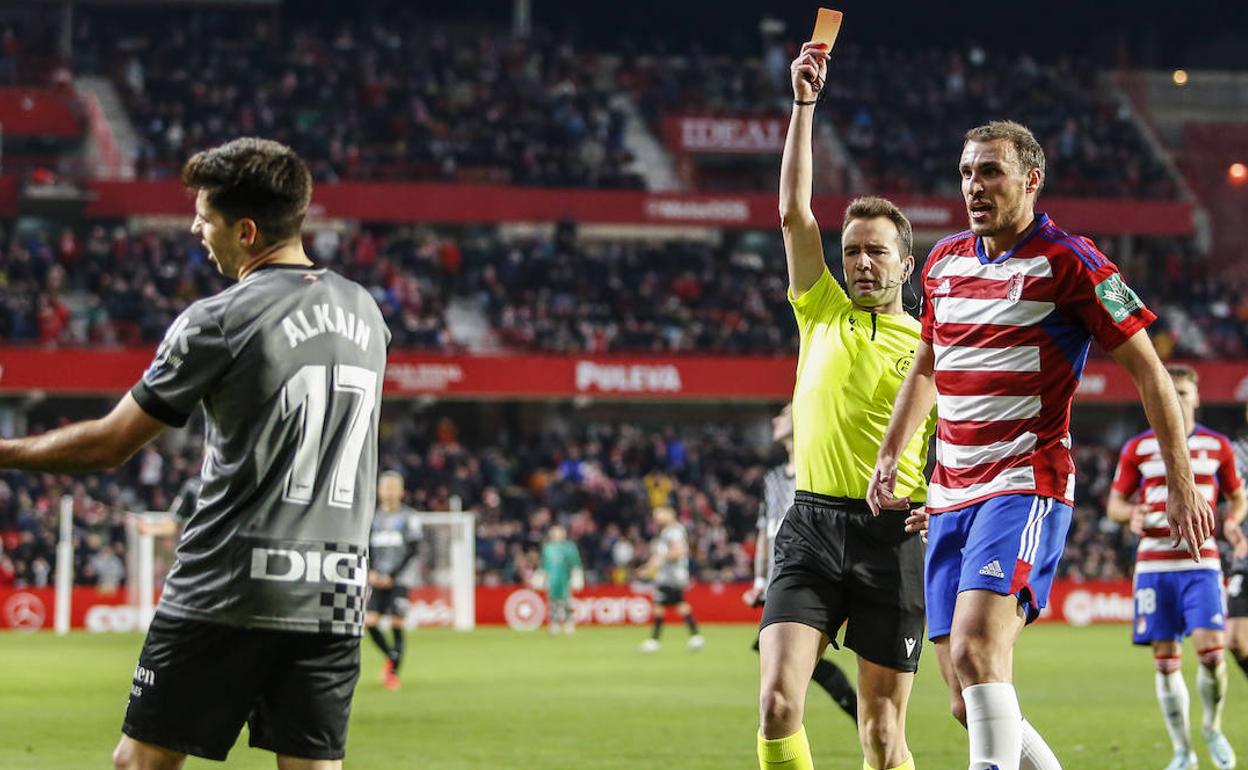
(255, 179)
(1183, 372)
(1027, 150)
(870, 207)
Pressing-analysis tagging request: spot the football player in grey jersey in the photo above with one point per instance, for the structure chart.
(1237, 585)
(261, 616)
(669, 565)
(393, 548)
(779, 489)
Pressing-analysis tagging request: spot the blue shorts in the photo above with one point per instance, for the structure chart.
(1009, 545)
(1169, 606)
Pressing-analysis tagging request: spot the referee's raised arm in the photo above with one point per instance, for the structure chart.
(802, 245)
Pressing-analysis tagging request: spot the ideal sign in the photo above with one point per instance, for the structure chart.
(737, 136)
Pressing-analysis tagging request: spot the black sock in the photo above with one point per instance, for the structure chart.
(397, 652)
(693, 624)
(1243, 663)
(658, 627)
(828, 676)
(374, 633)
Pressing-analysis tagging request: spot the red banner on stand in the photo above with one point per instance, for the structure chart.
(468, 203)
(612, 378)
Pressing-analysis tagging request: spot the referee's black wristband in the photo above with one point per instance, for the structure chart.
(799, 101)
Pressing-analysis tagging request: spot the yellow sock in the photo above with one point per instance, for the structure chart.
(907, 765)
(792, 753)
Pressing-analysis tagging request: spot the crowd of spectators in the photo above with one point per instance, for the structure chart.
(902, 112)
(364, 97)
(556, 295)
(105, 285)
(600, 480)
(387, 95)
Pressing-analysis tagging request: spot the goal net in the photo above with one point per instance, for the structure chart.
(445, 584)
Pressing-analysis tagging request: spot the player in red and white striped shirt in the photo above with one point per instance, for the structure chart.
(1012, 307)
(1174, 597)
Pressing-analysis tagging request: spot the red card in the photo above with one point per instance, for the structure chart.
(827, 24)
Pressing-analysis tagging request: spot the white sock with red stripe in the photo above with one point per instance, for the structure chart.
(1036, 753)
(995, 726)
(1211, 684)
(1174, 700)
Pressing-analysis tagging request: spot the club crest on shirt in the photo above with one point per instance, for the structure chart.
(1014, 291)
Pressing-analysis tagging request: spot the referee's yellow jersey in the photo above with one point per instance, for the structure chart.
(849, 370)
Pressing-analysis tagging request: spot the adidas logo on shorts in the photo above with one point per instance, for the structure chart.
(992, 569)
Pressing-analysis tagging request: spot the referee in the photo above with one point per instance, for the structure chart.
(779, 489)
(836, 565)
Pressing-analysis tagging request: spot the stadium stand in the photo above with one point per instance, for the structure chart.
(105, 284)
(387, 98)
(367, 99)
(373, 101)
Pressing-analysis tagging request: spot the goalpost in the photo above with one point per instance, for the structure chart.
(450, 539)
(142, 531)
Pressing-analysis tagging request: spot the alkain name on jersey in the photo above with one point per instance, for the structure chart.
(298, 329)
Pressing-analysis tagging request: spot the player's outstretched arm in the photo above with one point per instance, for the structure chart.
(1189, 513)
(802, 245)
(914, 403)
(90, 445)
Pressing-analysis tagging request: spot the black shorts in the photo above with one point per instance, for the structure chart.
(197, 683)
(388, 601)
(669, 596)
(1237, 595)
(837, 565)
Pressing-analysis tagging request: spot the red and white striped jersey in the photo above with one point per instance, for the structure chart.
(1140, 467)
(1011, 337)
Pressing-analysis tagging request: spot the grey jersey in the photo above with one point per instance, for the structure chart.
(394, 543)
(288, 365)
(779, 489)
(1240, 447)
(673, 573)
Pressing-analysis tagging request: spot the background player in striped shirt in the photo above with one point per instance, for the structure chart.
(837, 565)
(393, 547)
(1175, 598)
(1012, 306)
(1237, 586)
(779, 489)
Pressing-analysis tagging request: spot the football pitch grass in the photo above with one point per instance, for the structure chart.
(500, 700)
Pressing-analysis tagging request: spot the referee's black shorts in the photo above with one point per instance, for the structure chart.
(837, 565)
(1237, 595)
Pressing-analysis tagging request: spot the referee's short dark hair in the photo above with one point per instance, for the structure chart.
(1183, 372)
(1027, 151)
(256, 179)
(871, 207)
